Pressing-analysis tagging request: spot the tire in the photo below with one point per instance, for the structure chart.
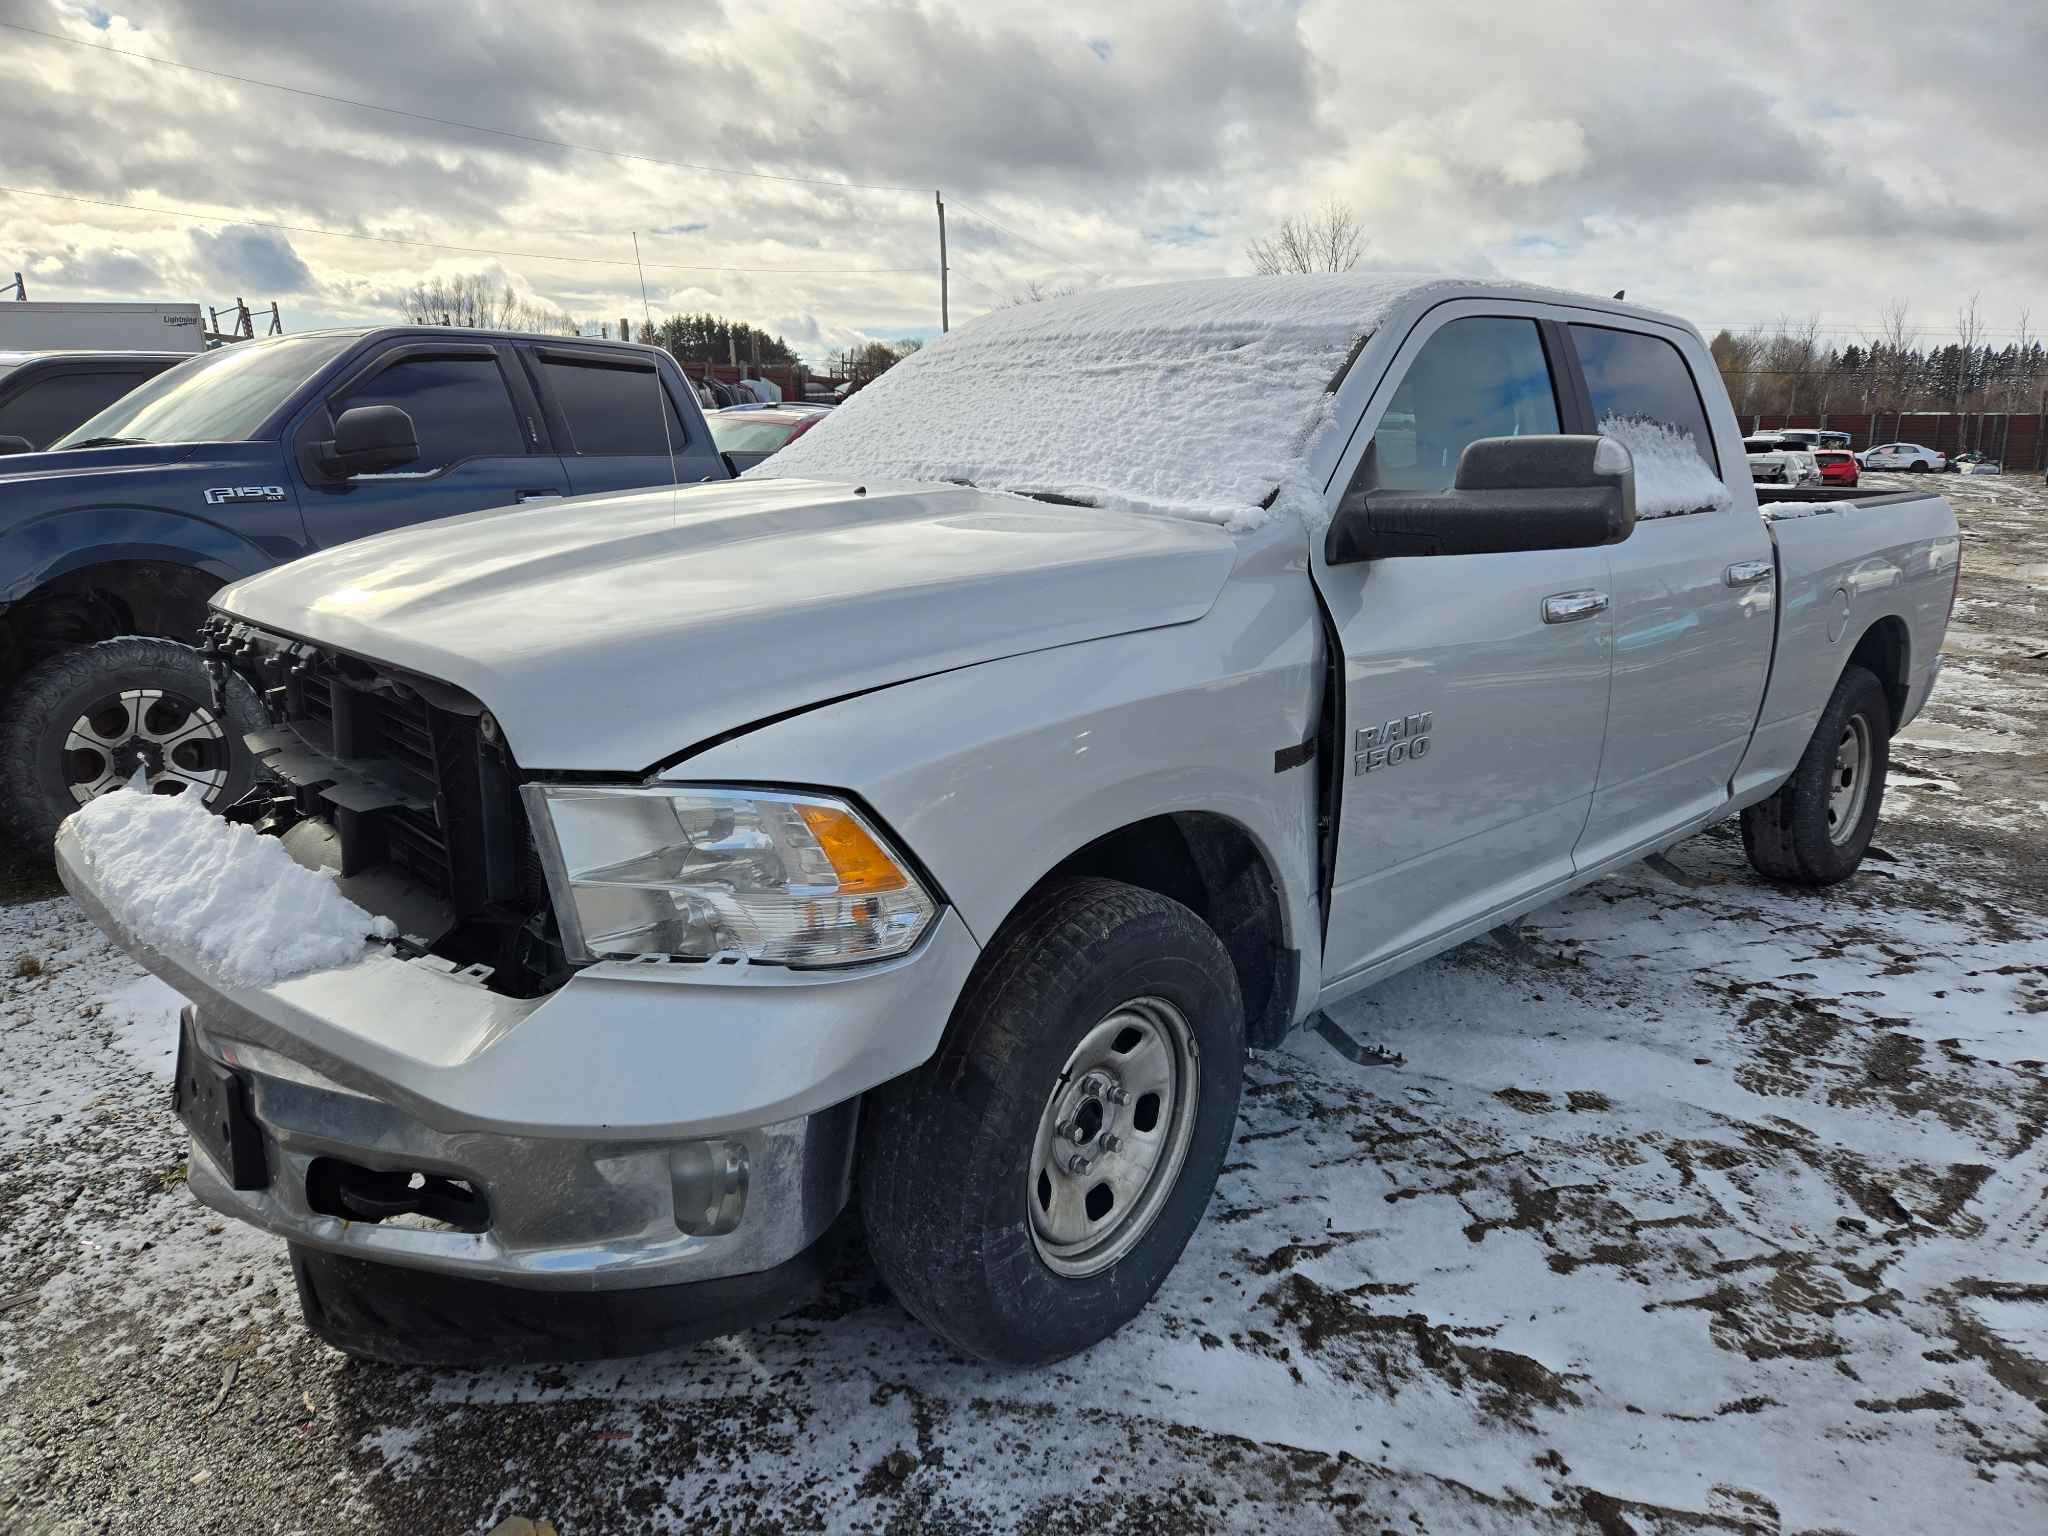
(1806, 834)
(959, 1204)
(1918, 467)
(87, 686)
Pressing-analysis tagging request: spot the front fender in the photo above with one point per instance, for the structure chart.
(992, 774)
(39, 551)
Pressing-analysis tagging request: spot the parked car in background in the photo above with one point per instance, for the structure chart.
(1837, 466)
(748, 434)
(254, 454)
(943, 809)
(1811, 438)
(1773, 461)
(1914, 457)
(1975, 461)
(43, 395)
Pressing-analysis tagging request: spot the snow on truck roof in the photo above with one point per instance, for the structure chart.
(1197, 399)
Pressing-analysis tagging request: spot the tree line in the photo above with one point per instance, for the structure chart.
(1788, 368)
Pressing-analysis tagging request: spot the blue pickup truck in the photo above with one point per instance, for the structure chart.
(241, 459)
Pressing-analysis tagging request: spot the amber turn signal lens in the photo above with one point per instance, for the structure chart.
(857, 860)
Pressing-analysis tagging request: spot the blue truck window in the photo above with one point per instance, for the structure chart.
(613, 410)
(459, 406)
(1645, 378)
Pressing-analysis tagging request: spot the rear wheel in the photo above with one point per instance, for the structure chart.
(1919, 466)
(87, 721)
(1026, 1191)
(1815, 829)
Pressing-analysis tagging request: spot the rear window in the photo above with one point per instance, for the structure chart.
(1643, 378)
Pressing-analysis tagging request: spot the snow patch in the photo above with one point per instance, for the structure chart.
(1201, 400)
(216, 895)
(1671, 477)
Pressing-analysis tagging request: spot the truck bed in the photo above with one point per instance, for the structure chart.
(1874, 572)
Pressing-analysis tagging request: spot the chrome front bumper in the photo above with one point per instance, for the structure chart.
(641, 1126)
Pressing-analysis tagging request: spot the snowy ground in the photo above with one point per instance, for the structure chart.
(1693, 1208)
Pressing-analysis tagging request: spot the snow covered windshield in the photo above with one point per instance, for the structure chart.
(1197, 399)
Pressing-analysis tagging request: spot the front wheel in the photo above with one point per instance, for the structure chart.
(1815, 829)
(1028, 1189)
(86, 721)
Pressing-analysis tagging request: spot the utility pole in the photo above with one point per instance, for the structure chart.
(20, 288)
(945, 319)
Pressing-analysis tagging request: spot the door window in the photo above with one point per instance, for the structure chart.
(613, 409)
(1640, 378)
(49, 407)
(459, 407)
(1483, 376)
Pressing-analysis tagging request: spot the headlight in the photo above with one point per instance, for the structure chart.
(699, 873)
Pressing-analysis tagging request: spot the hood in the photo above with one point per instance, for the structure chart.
(72, 464)
(616, 632)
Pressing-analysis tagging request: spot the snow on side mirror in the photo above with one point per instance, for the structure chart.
(1511, 493)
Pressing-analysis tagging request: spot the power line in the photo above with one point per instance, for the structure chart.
(449, 122)
(437, 245)
(975, 213)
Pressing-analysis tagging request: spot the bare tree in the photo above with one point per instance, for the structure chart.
(1326, 241)
(1969, 333)
(475, 299)
(2023, 352)
(1035, 292)
(1799, 346)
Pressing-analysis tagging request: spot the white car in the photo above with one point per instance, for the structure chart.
(1909, 456)
(1775, 461)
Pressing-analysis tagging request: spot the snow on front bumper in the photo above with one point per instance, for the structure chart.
(583, 1117)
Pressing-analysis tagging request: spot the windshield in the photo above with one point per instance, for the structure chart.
(222, 396)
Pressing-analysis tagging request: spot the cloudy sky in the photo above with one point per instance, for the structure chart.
(1734, 162)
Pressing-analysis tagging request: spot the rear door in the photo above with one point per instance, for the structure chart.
(482, 443)
(616, 423)
(1693, 592)
(1475, 686)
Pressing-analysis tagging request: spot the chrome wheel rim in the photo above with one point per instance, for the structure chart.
(1112, 1138)
(174, 743)
(1849, 788)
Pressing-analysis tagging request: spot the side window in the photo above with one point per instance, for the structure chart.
(1483, 376)
(613, 409)
(48, 408)
(1643, 393)
(459, 407)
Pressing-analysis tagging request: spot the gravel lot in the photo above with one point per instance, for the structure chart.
(1694, 1207)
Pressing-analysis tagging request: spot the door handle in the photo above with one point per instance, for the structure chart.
(1570, 607)
(1747, 573)
(540, 495)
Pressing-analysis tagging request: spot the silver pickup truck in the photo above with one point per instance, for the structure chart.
(943, 810)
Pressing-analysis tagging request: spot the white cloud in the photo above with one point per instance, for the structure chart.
(1655, 148)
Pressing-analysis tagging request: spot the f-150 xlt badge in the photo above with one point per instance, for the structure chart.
(1393, 741)
(218, 495)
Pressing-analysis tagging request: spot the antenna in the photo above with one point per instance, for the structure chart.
(660, 389)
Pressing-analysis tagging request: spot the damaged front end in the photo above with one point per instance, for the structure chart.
(405, 788)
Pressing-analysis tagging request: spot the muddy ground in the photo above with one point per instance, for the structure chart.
(1693, 1206)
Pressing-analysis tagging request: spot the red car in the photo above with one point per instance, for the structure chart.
(1837, 466)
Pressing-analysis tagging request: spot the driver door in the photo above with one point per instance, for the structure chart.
(1475, 685)
(479, 435)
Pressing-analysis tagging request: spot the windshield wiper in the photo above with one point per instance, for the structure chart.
(110, 442)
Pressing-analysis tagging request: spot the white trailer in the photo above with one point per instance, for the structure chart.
(36, 326)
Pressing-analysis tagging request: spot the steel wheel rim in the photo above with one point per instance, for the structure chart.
(1113, 1136)
(1849, 787)
(175, 743)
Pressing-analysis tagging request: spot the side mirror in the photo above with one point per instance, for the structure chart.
(9, 443)
(369, 439)
(1511, 493)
